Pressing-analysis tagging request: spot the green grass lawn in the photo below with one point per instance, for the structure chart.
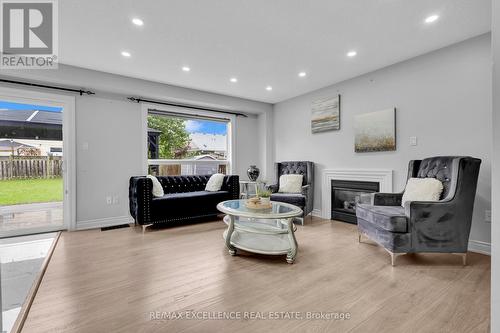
(22, 191)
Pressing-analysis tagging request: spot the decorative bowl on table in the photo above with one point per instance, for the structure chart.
(256, 204)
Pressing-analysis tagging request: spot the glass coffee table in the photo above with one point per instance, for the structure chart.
(269, 231)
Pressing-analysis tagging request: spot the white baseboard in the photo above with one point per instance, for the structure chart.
(316, 212)
(104, 222)
(480, 247)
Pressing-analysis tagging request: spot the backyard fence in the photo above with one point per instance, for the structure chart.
(162, 167)
(22, 167)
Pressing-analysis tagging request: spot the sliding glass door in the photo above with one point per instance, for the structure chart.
(32, 167)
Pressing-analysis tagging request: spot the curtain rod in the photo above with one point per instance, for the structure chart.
(139, 100)
(80, 91)
(186, 116)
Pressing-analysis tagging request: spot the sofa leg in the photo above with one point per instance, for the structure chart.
(144, 226)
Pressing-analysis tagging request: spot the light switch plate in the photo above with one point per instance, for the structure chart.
(413, 140)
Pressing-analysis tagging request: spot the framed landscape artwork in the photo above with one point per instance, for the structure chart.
(375, 131)
(325, 114)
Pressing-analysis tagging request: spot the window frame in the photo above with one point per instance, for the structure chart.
(190, 113)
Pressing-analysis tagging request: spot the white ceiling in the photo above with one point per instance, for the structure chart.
(261, 42)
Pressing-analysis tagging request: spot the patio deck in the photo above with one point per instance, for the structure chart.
(29, 216)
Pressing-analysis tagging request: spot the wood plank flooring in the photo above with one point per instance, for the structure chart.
(111, 282)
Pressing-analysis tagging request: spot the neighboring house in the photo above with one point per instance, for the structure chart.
(9, 147)
(214, 145)
(37, 129)
(200, 168)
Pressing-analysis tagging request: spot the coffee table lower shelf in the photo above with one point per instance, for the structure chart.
(260, 243)
(262, 236)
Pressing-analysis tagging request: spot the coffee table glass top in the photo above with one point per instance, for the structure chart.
(277, 211)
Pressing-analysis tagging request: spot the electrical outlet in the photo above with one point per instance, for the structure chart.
(487, 216)
(109, 200)
(413, 141)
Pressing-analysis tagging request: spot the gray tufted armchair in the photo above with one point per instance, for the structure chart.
(303, 200)
(424, 226)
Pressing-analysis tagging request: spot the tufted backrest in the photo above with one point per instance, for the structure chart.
(304, 168)
(178, 184)
(444, 168)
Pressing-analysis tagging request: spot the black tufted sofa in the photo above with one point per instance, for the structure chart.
(422, 226)
(303, 200)
(185, 198)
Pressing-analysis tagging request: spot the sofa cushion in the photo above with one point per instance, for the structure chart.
(291, 198)
(390, 218)
(195, 194)
(197, 203)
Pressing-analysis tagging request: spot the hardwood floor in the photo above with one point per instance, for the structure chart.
(111, 281)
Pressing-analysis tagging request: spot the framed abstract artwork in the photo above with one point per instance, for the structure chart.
(375, 131)
(325, 114)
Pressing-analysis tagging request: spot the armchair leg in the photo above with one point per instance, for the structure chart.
(464, 258)
(394, 256)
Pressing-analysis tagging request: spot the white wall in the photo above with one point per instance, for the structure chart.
(247, 149)
(111, 126)
(443, 98)
(495, 228)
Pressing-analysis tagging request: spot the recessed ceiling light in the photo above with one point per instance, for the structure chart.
(233, 79)
(432, 18)
(269, 88)
(302, 74)
(352, 53)
(186, 69)
(126, 54)
(137, 21)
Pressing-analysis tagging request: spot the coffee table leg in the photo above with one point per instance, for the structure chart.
(290, 257)
(230, 229)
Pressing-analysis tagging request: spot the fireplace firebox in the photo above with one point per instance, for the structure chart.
(345, 195)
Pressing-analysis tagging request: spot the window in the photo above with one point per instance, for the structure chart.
(184, 144)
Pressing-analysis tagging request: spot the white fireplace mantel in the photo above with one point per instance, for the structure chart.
(382, 176)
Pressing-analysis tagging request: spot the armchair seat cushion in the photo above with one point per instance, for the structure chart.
(291, 198)
(390, 218)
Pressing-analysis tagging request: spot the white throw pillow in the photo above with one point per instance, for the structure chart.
(214, 184)
(291, 183)
(422, 189)
(157, 188)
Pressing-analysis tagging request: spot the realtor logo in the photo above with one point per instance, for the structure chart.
(29, 34)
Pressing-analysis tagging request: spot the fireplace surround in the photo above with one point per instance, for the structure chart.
(381, 176)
